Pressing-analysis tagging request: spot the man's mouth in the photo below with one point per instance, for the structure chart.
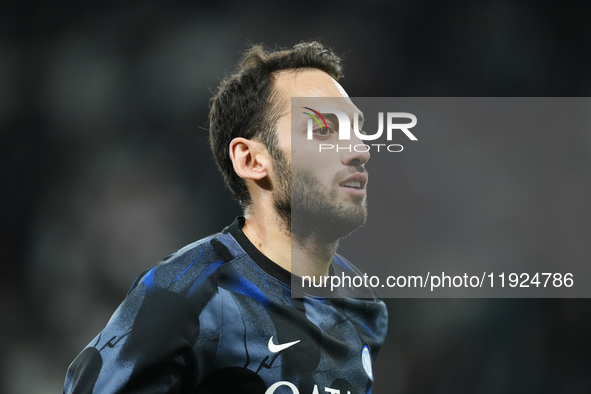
(355, 181)
(353, 185)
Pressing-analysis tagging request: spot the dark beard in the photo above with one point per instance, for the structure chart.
(308, 212)
(282, 191)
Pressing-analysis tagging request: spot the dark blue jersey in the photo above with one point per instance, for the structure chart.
(217, 317)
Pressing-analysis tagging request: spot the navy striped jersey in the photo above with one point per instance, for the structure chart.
(217, 317)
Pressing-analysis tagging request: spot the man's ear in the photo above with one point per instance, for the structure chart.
(249, 158)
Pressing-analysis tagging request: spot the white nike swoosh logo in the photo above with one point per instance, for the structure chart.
(277, 348)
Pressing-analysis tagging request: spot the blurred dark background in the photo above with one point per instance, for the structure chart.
(105, 166)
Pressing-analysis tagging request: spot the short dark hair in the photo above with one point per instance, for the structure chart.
(245, 104)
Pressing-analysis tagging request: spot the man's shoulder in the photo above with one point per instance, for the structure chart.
(345, 264)
(352, 282)
(192, 263)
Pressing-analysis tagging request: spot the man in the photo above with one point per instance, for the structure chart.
(218, 316)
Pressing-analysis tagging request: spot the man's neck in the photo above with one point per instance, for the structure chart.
(267, 232)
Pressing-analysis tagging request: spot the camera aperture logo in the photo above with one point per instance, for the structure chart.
(344, 129)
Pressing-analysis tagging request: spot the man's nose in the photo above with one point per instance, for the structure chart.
(355, 154)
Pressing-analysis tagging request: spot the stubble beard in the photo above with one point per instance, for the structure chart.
(308, 210)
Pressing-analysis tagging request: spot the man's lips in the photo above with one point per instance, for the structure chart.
(355, 181)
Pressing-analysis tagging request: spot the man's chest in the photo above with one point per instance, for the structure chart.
(302, 345)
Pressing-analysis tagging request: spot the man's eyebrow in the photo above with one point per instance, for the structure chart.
(331, 118)
(361, 117)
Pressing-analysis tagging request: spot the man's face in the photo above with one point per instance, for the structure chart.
(326, 198)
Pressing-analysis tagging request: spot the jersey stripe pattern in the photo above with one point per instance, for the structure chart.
(217, 317)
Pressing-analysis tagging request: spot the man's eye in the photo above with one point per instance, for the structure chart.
(324, 131)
